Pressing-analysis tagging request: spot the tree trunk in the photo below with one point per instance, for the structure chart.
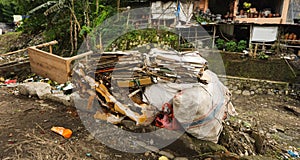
(71, 35)
(76, 24)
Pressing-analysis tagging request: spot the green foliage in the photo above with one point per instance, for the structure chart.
(85, 30)
(242, 45)
(7, 10)
(246, 5)
(220, 43)
(53, 18)
(105, 12)
(231, 46)
(146, 36)
(262, 55)
(201, 19)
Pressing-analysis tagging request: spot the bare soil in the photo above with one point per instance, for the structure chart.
(25, 129)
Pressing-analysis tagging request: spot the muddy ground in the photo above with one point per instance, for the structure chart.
(25, 133)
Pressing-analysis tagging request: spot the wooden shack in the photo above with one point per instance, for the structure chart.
(260, 12)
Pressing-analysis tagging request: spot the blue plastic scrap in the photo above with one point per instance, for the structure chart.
(293, 154)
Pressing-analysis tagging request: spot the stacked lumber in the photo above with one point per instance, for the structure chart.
(117, 80)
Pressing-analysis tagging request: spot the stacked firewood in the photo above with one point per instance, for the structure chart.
(120, 78)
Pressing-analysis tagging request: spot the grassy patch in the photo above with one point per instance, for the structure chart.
(8, 40)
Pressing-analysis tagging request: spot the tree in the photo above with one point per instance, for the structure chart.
(7, 10)
(68, 21)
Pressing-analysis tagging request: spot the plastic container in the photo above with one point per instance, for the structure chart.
(66, 133)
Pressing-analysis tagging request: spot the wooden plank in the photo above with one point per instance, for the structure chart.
(285, 9)
(54, 74)
(46, 55)
(260, 20)
(145, 81)
(205, 5)
(46, 60)
(48, 65)
(235, 7)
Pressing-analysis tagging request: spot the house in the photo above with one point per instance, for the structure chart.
(261, 23)
(256, 21)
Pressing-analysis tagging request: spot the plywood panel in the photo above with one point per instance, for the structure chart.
(48, 65)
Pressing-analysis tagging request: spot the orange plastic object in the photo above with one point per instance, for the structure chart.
(66, 133)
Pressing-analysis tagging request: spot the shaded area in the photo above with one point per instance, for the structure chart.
(272, 69)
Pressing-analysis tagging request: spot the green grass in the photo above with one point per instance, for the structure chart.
(8, 40)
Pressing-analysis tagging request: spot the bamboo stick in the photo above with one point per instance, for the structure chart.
(38, 46)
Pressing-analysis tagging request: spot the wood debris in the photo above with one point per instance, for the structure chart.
(118, 79)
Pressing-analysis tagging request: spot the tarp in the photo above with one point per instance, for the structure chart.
(186, 12)
(264, 34)
(183, 57)
(162, 10)
(170, 10)
(294, 11)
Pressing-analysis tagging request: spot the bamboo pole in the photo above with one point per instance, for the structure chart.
(50, 49)
(291, 68)
(118, 9)
(38, 46)
(250, 40)
(214, 35)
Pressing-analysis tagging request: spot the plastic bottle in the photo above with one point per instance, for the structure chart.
(66, 133)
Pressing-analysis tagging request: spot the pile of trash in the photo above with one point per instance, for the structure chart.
(169, 89)
(13, 57)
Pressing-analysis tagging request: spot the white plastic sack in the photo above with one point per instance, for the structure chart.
(198, 107)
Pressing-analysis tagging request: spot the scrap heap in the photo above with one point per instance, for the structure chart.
(123, 81)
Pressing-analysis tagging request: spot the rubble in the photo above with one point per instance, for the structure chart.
(138, 84)
(35, 88)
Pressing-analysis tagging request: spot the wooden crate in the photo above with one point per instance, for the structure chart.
(52, 66)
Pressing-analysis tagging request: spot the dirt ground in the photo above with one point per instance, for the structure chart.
(25, 129)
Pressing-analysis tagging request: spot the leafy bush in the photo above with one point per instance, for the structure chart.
(231, 46)
(242, 45)
(263, 56)
(220, 43)
(201, 19)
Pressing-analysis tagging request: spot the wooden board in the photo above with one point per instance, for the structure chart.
(260, 20)
(144, 81)
(49, 65)
(52, 66)
(285, 9)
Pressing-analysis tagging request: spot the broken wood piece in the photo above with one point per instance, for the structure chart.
(145, 118)
(134, 93)
(137, 82)
(108, 117)
(293, 109)
(104, 92)
(90, 102)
